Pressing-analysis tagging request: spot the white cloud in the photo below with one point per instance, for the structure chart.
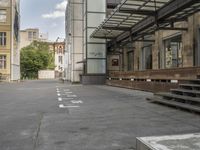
(55, 14)
(61, 6)
(58, 12)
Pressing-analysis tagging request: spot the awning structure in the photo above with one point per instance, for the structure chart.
(127, 14)
(82, 61)
(132, 19)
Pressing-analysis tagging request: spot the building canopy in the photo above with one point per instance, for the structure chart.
(133, 18)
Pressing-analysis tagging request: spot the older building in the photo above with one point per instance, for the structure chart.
(59, 51)
(9, 40)
(29, 35)
(155, 46)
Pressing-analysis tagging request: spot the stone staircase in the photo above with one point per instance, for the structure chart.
(186, 97)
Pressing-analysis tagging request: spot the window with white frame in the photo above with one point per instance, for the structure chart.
(4, 3)
(3, 16)
(2, 61)
(2, 38)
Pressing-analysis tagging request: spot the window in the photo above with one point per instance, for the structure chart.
(60, 49)
(30, 35)
(130, 59)
(2, 61)
(3, 16)
(4, 3)
(197, 50)
(2, 38)
(173, 52)
(60, 59)
(146, 61)
(34, 35)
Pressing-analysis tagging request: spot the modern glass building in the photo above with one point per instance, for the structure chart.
(86, 56)
(147, 45)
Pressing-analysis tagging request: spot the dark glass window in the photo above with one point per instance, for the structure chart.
(2, 38)
(130, 59)
(146, 61)
(2, 61)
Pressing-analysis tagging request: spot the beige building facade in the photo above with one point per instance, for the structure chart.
(27, 36)
(9, 40)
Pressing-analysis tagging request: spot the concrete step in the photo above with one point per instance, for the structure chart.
(184, 91)
(172, 103)
(182, 97)
(190, 85)
(194, 81)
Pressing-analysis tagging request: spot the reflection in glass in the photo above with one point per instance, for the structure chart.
(130, 61)
(173, 52)
(147, 57)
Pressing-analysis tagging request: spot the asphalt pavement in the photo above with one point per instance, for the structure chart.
(49, 115)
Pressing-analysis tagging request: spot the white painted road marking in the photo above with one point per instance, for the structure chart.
(71, 95)
(68, 92)
(77, 102)
(63, 106)
(68, 98)
(60, 99)
(58, 94)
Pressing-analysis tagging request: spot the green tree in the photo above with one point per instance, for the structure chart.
(35, 57)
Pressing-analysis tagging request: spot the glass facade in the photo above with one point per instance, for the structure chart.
(95, 49)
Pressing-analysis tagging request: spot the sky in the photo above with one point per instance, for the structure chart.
(47, 15)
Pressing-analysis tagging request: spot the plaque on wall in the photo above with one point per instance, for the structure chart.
(115, 62)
